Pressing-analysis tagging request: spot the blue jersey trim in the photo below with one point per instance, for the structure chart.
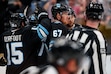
(43, 29)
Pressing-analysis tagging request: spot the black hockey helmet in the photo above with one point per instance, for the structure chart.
(33, 19)
(63, 50)
(72, 12)
(57, 8)
(94, 11)
(16, 19)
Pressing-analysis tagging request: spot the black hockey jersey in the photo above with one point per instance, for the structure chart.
(22, 48)
(57, 30)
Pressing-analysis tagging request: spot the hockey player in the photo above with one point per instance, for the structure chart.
(22, 44)
(66, 57)
(61, 19)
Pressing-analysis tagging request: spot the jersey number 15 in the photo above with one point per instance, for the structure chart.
(13, 55)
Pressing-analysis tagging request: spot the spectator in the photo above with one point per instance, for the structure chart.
(74, 5)
(80, 16)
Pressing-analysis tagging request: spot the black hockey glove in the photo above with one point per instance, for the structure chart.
(41, 13)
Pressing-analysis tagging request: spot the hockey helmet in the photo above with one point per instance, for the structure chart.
(72, 12)
(94, 11)
(63, 50)
(57, 8)
(33, 19)
(16, 19)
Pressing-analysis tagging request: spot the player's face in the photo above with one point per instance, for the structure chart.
(72, 66)
(65, 17)
(72, 19)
